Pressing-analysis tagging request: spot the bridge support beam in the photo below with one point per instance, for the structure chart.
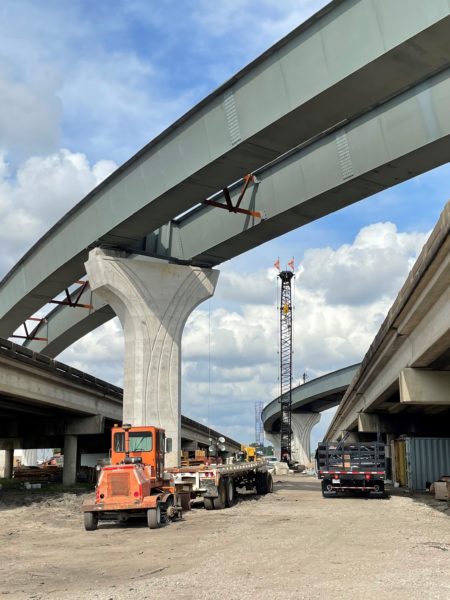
(419, 386)
(153, 300)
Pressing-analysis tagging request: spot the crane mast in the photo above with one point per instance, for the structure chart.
(286, 364)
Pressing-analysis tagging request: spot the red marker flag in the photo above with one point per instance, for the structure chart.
(291, 264)
(276, 264)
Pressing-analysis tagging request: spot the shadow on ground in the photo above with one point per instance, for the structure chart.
(424, 498)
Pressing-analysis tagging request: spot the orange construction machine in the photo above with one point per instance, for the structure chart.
(134, 484)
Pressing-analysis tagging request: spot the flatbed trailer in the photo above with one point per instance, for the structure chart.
(218, 484)
(358, 466)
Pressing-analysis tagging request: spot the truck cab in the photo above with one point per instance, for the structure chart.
(144, 445)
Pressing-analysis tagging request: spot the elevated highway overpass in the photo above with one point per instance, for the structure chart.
(355, 100)
(308, 401)
(403, 384)
(47, 404)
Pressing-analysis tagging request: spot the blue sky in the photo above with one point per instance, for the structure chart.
(84, 85)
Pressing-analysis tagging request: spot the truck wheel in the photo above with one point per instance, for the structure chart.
(269, 483)
(90, 521)
(230, 492)
(154, 517)
(167, 512)
(208, 503)
(326, 493)
(220, 501)
(378, 491)
(261, 483)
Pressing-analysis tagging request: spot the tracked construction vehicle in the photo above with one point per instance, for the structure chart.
(135, 484)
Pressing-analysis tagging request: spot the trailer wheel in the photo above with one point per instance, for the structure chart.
(261, 483)
(269, 483)
(208, 503)
(230, 492)
(90, 521)
(220, 501)
(154, 517)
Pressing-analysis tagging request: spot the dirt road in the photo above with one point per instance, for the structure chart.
(289, 544)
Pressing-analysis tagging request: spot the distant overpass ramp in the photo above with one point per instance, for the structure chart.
(308, 401)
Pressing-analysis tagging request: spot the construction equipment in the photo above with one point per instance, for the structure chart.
(286, 363)
(247, 454)
(135, 484)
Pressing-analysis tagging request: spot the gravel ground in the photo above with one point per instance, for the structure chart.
(289, 544)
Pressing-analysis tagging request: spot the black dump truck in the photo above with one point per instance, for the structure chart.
(359, 467)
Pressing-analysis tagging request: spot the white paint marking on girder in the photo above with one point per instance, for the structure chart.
(345, 159)
(232, 117)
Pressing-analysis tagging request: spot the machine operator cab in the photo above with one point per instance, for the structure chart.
(140, 445)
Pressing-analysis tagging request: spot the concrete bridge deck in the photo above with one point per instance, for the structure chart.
(42, 399)
(403, 386)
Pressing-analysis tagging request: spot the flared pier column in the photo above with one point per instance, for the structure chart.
(153, 300)
(301, 427)
(302, 424)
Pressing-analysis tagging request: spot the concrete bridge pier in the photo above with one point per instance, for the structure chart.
(8, 463)
(70, 459)
(301, 427)
(153, 300)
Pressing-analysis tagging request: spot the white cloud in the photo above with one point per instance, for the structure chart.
(260, 22)
(99, 353)
(373, 266)
(106, 82)
(29, 113)
(117, 93)
(39, 193)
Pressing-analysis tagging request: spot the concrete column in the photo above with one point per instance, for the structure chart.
(153, 300)
(9, 464)
(302, 424)
(70, 460)
(273, 439)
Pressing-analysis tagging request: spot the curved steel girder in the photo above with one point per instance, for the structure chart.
(400, 139)
(316, 395)
(340, 63)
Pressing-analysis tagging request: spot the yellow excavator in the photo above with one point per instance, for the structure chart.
(247, 454)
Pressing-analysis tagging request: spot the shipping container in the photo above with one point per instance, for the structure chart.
(427, 459)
